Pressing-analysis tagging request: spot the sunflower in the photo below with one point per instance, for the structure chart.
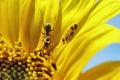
(55, 39)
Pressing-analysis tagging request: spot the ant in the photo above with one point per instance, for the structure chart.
(70, 34)
(47, 44)
(47, 37)
(47, 41)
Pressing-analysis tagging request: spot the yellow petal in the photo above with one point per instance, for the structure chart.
(103, 71)
(26, 15)
(36, 25)
(116, 76)
(102, 12)
(86, 15)
(112, 75)
(49, 10)
(68, 20)
(73, 11)
(82, 48)
(9, 19)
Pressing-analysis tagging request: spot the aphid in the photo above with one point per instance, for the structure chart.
(70, 34)
(54, 66)
(73, 28)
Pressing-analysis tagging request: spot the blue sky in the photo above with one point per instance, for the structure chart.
(110, 53)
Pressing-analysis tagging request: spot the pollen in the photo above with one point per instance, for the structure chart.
(17, 64)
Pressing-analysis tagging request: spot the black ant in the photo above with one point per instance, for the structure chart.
(70, 34)
(47, 46)
(48, 36)
(47, 28)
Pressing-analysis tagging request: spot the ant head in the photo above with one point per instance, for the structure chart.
(47, 27)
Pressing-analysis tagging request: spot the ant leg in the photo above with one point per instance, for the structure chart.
(43, 33)
(51, 29)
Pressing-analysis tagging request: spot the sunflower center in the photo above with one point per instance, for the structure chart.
(17, 64)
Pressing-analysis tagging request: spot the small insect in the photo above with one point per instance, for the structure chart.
(47, 28)
(54, 66)
(48, 41)
(70, 34)
(48, 36)
(73, 28)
